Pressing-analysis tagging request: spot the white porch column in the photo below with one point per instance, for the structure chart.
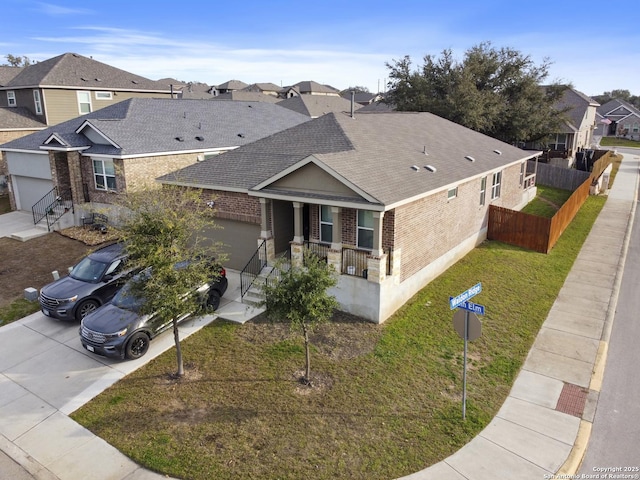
(336, 238)
(377, 250)
(265, 213)
(298, 234)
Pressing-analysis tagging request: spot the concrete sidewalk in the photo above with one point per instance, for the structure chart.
(541, 430)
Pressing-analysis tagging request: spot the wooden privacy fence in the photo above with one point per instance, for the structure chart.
(538, 233)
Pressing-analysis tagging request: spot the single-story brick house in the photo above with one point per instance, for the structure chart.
(390, 199)
(127, 145)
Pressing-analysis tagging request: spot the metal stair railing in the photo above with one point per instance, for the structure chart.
(52, 206)
(253, 268)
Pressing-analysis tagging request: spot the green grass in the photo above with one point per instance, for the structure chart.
(618, 142)
(381, 414)
(547, 202)
(18, 309)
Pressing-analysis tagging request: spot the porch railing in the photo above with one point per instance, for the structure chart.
(253, 268)
(354, 261)
(52, 206)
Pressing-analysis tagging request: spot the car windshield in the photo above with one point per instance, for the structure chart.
(88, 270)
(127, 299)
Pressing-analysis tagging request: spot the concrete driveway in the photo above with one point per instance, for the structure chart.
(45, 375)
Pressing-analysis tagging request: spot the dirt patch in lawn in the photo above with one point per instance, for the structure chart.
(30, 263)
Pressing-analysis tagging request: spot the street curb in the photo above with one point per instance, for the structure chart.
(26, 461)
(573, 462)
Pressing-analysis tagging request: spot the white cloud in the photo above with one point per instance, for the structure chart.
(56, 10)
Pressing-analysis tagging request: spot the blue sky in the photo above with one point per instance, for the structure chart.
(344, 43)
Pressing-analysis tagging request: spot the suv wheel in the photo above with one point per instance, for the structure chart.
(213, 301)
(137, 345)
(85, 308)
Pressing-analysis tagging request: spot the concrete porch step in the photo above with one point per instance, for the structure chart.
(24, 235)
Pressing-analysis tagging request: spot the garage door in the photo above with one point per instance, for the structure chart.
(29, 190)
(240, 241)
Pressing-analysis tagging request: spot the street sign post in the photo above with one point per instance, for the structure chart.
(468, 326)
(464, 296)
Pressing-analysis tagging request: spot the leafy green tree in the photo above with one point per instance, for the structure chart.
(497, 92)
(163, 231)
(300, 297)
(17, 61)
(356, 89)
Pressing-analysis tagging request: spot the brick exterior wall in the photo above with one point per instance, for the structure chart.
(234, 205)
(428, 228)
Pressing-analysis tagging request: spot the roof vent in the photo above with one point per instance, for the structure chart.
(415, 168)
(98, 79)
(241, 135)
(497, 151)
(470, 158)
(199, 138)
(180, 139)
(431, 168)
(83, 79)
(134, 81)
(425, 150)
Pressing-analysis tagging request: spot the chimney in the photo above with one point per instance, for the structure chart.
(353, 103)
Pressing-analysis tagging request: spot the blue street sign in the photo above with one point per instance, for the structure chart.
(464, 296)
(472, 307)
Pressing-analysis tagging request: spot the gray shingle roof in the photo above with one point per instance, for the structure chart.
(615, 103)
(73, 70)
(18, 118)
(317, 105)
(232, 85)
(244, 95)
(374, 152)
(7, 73)
(309, 86)
(146, 126)
(576, 103)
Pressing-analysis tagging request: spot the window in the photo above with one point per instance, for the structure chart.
(521, 174)
(559, 142)
(483, 190)
(104, 173)
(38, 103)
(326, 224)
(104, 96)
(84, 102)
(365, 229)
(11, 98)
(452, 193)
(495, 185)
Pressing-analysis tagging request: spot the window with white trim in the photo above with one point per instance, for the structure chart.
(452, 193)
(495, 185)
(559, 142)
(11, 98)
(104, 96)
(521, 174)
(326, 224)
(483, 190)
(37, 101)
(104, 173)
(365, 229)
(84, 102)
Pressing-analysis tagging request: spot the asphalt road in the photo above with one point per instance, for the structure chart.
(615, 436)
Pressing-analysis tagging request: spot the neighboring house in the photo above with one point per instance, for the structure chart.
(576, 133)
(247, 96)
(266, 88)
(63, 87)
(230, 86)
(308, 88)
(316, 105)
(390, 200)
(363, 98)
(127, 145)
(624, 119)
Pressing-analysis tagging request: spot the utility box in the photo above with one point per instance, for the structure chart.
(31, 294)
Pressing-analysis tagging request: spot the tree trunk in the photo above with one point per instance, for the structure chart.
(176, 337)
(307, 375)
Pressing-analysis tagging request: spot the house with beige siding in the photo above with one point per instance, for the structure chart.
(64, 87)
(390, 200)
(89, 160)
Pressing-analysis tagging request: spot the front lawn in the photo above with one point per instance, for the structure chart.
(387, 398)
(618, 142)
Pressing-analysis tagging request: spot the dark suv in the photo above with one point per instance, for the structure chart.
(91, 283)
(118, 330)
